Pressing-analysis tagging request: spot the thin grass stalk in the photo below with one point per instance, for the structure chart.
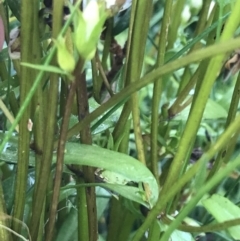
(37, 107)
(202, 21)
(135, 63)
(24, 133)
(81, 201)
(89, 172)
(176, 17)
(124, 144)
(121, 123)
(198, 105)
(174, 109)
(60, 157)
(127, 108)
(185, 78)
(157, 89)
(41, 185)
(136, 50)
(107, 43)
(119, 127)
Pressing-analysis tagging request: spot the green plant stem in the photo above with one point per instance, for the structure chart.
(107, 43)
(119, 127)
(37, 107)
(176, 106)
(24, 133)
(199, 102)
(153, 76)
(89, 176)
(188, 175)
(157, 89)
(123, 147)
(60, 156)
(83, 226)
(201, 23)
(42, 182)
(176, 15)
(135, 62)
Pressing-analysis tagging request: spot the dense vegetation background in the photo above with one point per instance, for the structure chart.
(119, 123)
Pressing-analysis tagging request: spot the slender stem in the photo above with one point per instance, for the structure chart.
(201, 23)
(37, 106)
(83, 226)
(24, 133)
(89, 177)
(41, 185)
(176, 15)
(60, 157)
(157, 89)
(127, 107)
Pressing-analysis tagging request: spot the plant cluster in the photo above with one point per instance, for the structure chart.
(119, 120)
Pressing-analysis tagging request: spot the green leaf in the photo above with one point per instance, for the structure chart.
(15, 6)
(116, 162)
(223, 210)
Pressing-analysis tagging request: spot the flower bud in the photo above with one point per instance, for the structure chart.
(64, 57)
(88, 27)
